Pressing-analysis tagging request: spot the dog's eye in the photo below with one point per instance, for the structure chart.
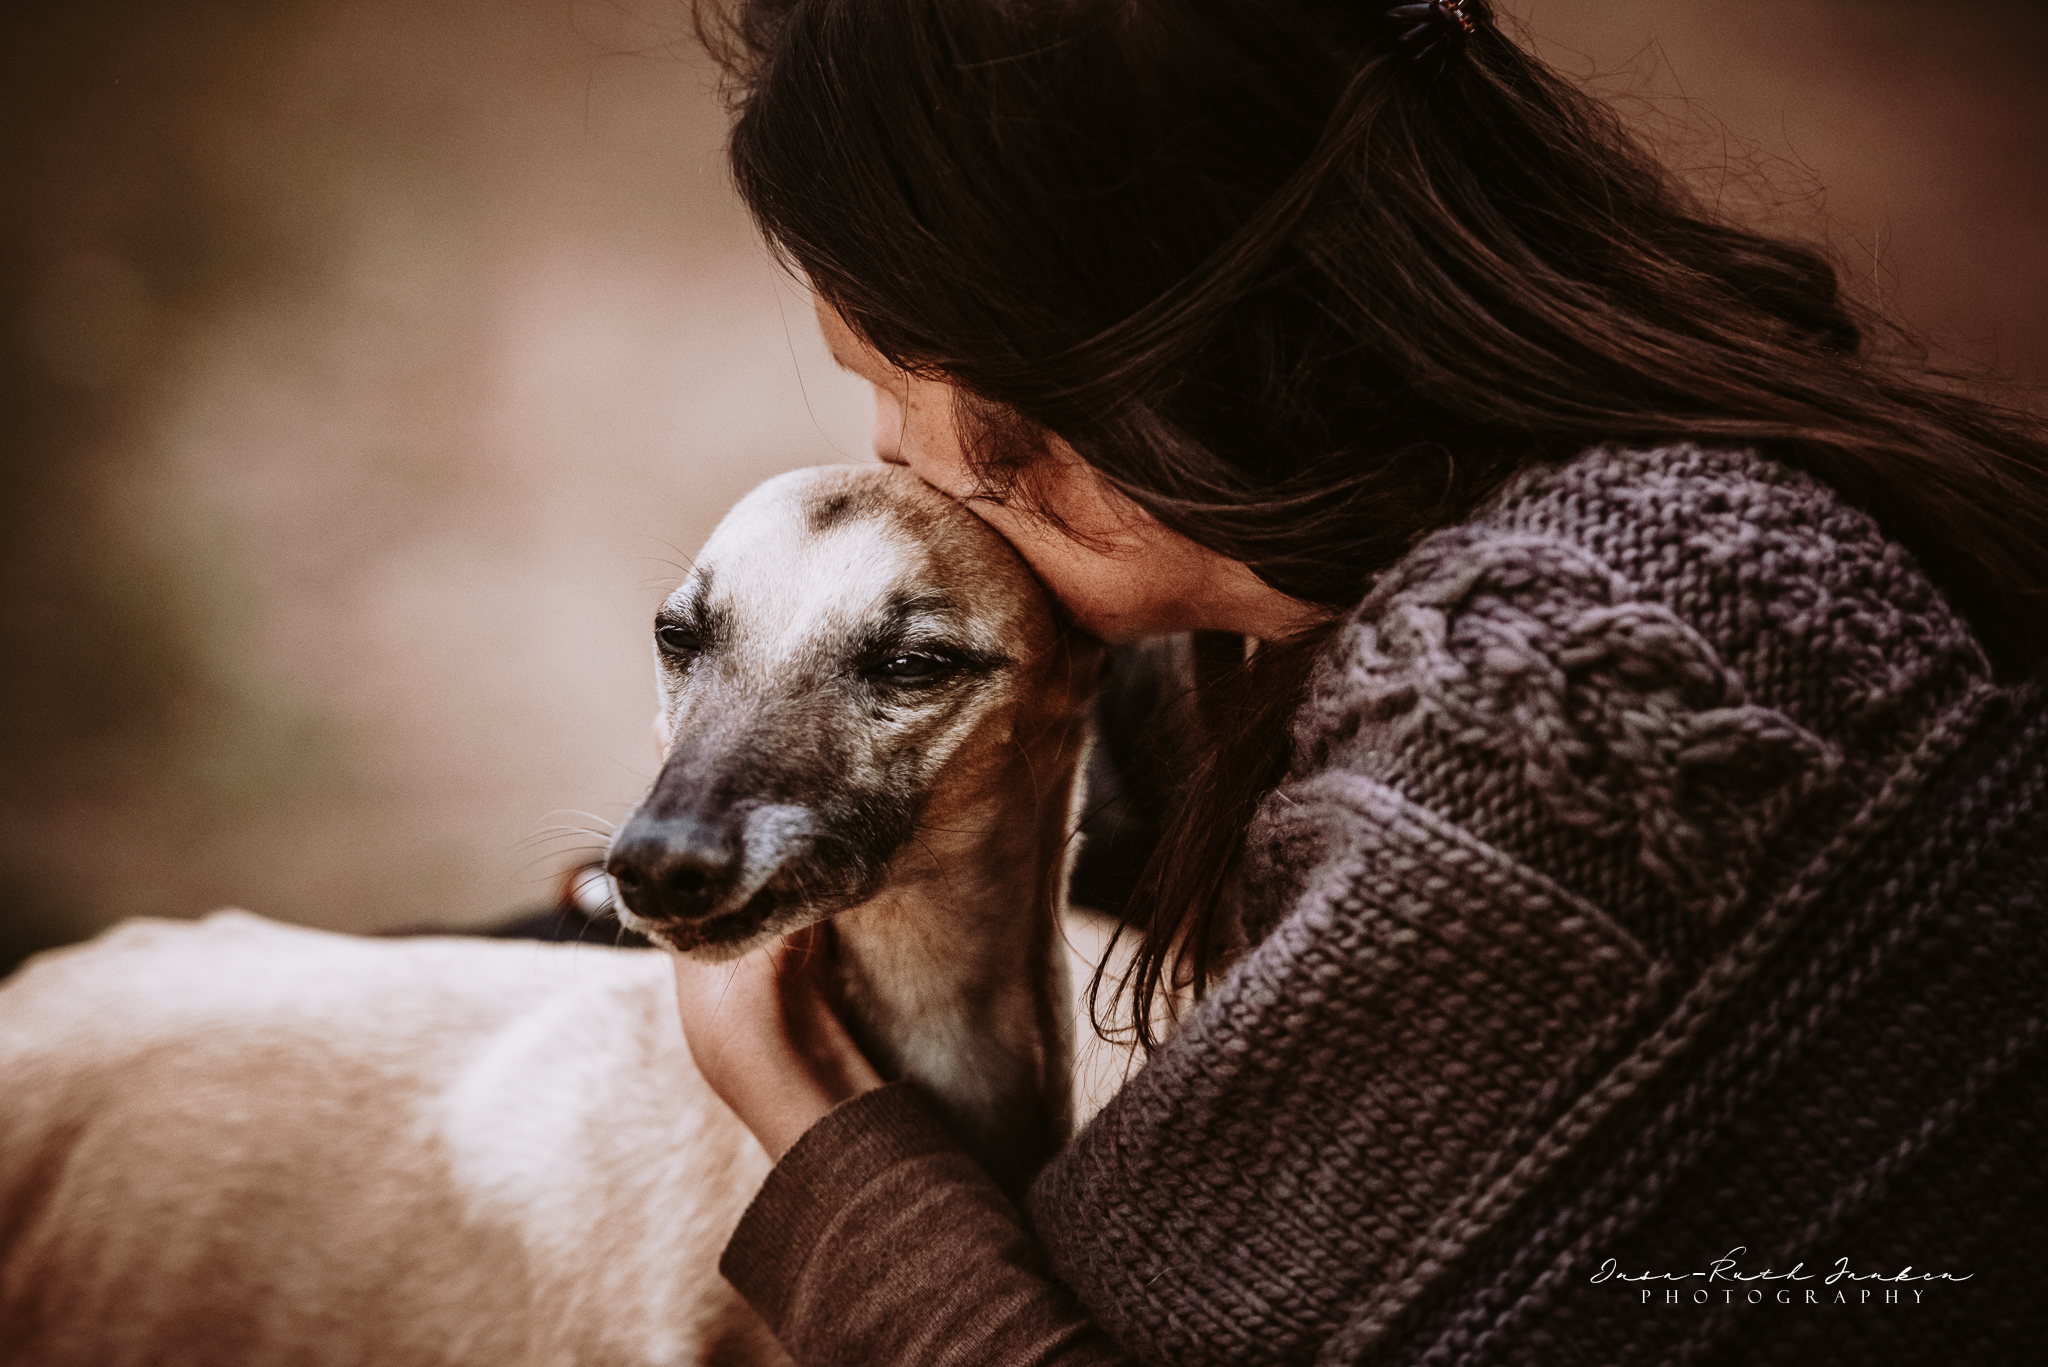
(913, 667)
(675, 640)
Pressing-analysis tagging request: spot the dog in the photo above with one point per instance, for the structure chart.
(234, 1142)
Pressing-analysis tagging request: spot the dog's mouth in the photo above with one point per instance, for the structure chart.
(772, 912)
(729, 930)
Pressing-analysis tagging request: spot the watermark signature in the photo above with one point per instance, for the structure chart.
(1724, 1281)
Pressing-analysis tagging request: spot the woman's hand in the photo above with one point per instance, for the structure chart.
(766, 1038)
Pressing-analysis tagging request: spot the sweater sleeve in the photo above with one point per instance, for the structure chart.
(877, 1239)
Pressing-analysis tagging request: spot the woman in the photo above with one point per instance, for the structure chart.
(1623, 847)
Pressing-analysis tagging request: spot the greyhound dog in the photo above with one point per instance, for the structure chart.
(238, 1143)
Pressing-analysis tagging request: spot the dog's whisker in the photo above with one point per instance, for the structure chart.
(682, 569)
(552, 857)
(552, 833)
(561, 841)
(561, 844)
(561, 833)
(609, 826)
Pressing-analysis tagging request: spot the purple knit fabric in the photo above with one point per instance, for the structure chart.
(1659, 870)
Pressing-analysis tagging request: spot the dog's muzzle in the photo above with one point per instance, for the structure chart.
(701, 879)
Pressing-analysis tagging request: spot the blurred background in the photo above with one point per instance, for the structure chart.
(372, 368)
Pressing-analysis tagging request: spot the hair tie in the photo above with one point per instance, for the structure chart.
(1439, 26)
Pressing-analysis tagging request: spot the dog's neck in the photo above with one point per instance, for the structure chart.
(955, 976)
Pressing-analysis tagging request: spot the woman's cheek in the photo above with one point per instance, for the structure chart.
(930, 444)
(888, 426)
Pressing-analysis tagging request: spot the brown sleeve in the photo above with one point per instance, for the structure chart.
(877, 1240)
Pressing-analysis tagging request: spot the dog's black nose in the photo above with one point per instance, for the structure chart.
(673, 868)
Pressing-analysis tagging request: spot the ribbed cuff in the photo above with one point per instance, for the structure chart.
(823, 1171)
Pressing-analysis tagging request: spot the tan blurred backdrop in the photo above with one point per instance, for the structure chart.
(372, 367)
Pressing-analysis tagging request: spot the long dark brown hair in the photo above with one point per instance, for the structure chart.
(1305, 298)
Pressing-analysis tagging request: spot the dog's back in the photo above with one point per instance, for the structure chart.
(241, 1142)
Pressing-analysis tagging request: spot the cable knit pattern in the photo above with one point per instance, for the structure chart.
(1659, 870)
(1621, 721)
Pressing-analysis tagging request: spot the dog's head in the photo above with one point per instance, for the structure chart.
(849, 644)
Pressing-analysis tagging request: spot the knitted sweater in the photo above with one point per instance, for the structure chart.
(1658, 884)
